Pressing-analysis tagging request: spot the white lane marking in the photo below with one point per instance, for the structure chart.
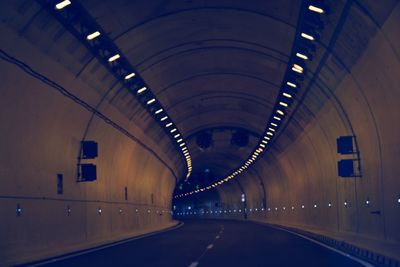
(328, 247)
(210, 246)
(217, 237)
(104, 247)
(194, 264)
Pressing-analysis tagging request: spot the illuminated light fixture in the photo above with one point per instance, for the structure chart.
(177, 135)
(260, 150)
(129, 76)
(151, 101)
(297, 70)
(114, 57)
(293, 85)
(269, 133)
(265, 142)
(262, 145)
(280, 112)
(277, 118)
(307, 36)
(159, 111)
(316, 9)
(271, 129)
(164, 118)
(297, 66)
(302, 56)
(267, 138)
(173, 130)
(287, 95)
(94, 35)
(168, 124)
(274, 124)
(63, 4)
(283, 104)
(141, 90)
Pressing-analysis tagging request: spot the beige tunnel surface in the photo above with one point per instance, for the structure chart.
(215, 66)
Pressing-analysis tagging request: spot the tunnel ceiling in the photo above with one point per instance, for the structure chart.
(214, 65)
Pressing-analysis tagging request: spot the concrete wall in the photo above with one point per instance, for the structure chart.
(41, 130)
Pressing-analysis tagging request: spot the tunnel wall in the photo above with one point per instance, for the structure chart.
(41, 133)
(365, 104)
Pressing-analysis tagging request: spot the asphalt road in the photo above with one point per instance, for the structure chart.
(214, 243)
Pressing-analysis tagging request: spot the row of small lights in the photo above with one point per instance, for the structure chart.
(160, 112)
(346, 204)
(99, 210)
(279, 114)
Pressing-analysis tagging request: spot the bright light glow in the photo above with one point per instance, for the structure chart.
(265, 142)
(159, 111)
(302, 56)
(151, 101)
(262, 145)
(291, 84)
(274, 124)
(277, 118)
(130, 75)
(269, 133)
(177, 135)
(63, 4)
(297, 70)
(141, 90)
(302, 206)
(287, 95)
(168, 124)
(283, 104)
(173, 130)
(298, 67)
(280, 112)
(94, 35)
(113, 58)
(316, 9)
(307, 36)
(164, 118)
(266, 137)
(315, 205)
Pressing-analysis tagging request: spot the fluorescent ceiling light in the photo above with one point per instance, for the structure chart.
(173, 130)
(63, 4)
(274, 124)
(307, 36)
(159, 111)
(177, 135)
(130, 75)
(316, 9)
(277, 118)
(113, 58)
(283, 104)
(291, 84)
(93, 35)
(300, 55)
(168, 124)
(164, 118)
(151, 101)
(280, 112)
(287, 95)
(141, 90)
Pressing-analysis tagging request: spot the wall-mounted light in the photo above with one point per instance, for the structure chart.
(18, 210)
(99, 210)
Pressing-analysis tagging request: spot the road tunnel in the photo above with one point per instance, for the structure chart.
(200, 133)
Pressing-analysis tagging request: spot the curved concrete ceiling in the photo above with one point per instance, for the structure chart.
(216, 64)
